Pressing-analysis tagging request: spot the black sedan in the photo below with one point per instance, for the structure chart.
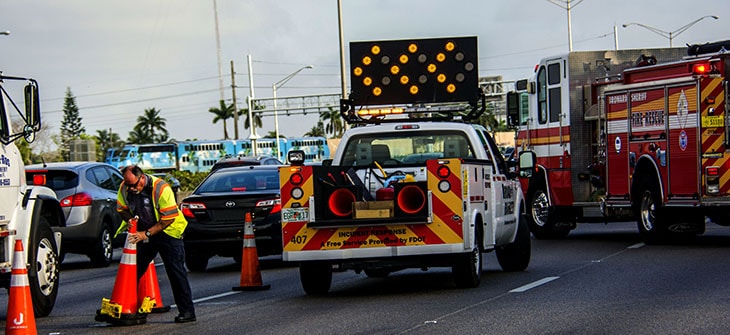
(217, 208)
(87, 192)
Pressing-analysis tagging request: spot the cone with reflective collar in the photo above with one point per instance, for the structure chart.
(149, 291)
(122, 308)
(250, 270)
(20, 318)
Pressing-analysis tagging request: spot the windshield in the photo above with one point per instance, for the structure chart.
(406, 147)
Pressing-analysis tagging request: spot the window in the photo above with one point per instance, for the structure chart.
(555, 104)
(554, 92)
(497, 157)
(116, 178)
(541, 96)
(99, 176)
(554, 74)
(406, 147)
(524, 108)
(236, 180)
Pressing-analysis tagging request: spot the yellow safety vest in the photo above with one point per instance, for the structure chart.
(163, 200)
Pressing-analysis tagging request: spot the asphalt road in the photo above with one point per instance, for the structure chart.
(600, 280)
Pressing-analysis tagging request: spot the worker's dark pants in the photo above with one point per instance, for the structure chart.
(172, 252)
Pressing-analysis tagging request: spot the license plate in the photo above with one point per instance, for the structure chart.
(711, 121)
(295, 214)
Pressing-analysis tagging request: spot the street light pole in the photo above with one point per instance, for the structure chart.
(567, 6)
(670, 34)
(276, 113)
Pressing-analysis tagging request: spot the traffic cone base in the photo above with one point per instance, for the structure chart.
(123, 308)
(250, 270)
(20, 317)
(149, 288)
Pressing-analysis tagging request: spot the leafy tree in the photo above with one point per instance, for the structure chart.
(316, 131)
(489, 120)
(46, 147)
(21, 143)
(71, 127)
(335, 124)
(150, 122)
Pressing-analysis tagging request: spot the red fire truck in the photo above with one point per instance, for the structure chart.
(627, 134)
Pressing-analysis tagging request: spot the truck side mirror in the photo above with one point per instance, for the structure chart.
(32, 106)
(513, 109)
(527, 163)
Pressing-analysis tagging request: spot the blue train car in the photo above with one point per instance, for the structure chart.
(199, 156)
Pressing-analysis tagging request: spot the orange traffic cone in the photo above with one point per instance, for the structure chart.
(250, 271)
(122, 309)
(20, 318)
(149, 291)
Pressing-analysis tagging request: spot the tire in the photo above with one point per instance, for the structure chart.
(516, 255)
(649, 219)
(541, 224)
(316, 277)
(467, 269)
(44, 266)
(196, 262)
(103, 251)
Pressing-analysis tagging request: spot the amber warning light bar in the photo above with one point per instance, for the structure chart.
(414, 71)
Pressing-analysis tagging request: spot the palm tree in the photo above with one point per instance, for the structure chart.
(316, 131)
(335, 125)
(257, 123)
(272, 134)
(223, 112)
(106, 139)
(139, 135)
(151, 121)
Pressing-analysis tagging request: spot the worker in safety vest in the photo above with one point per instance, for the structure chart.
(160, 228)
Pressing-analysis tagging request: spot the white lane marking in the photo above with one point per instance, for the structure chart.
(533, 285)
(636, 246)
(216, 296)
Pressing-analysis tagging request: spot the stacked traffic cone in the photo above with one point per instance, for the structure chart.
(149, 291)
(250, 271)
(20, 318)
(121, 309)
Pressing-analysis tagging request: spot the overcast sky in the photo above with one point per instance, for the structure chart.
(121, 57)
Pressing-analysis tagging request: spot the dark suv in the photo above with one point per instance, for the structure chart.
(217, 208)
(88, 195)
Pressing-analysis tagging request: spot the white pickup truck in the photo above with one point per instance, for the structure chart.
(405, 189)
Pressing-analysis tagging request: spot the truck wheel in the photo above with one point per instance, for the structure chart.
(196, 262)
(43, 271)
(103, 251)
(541, 224)
(516, 255)
(467, 269)
(649, 221)
(316, 277)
